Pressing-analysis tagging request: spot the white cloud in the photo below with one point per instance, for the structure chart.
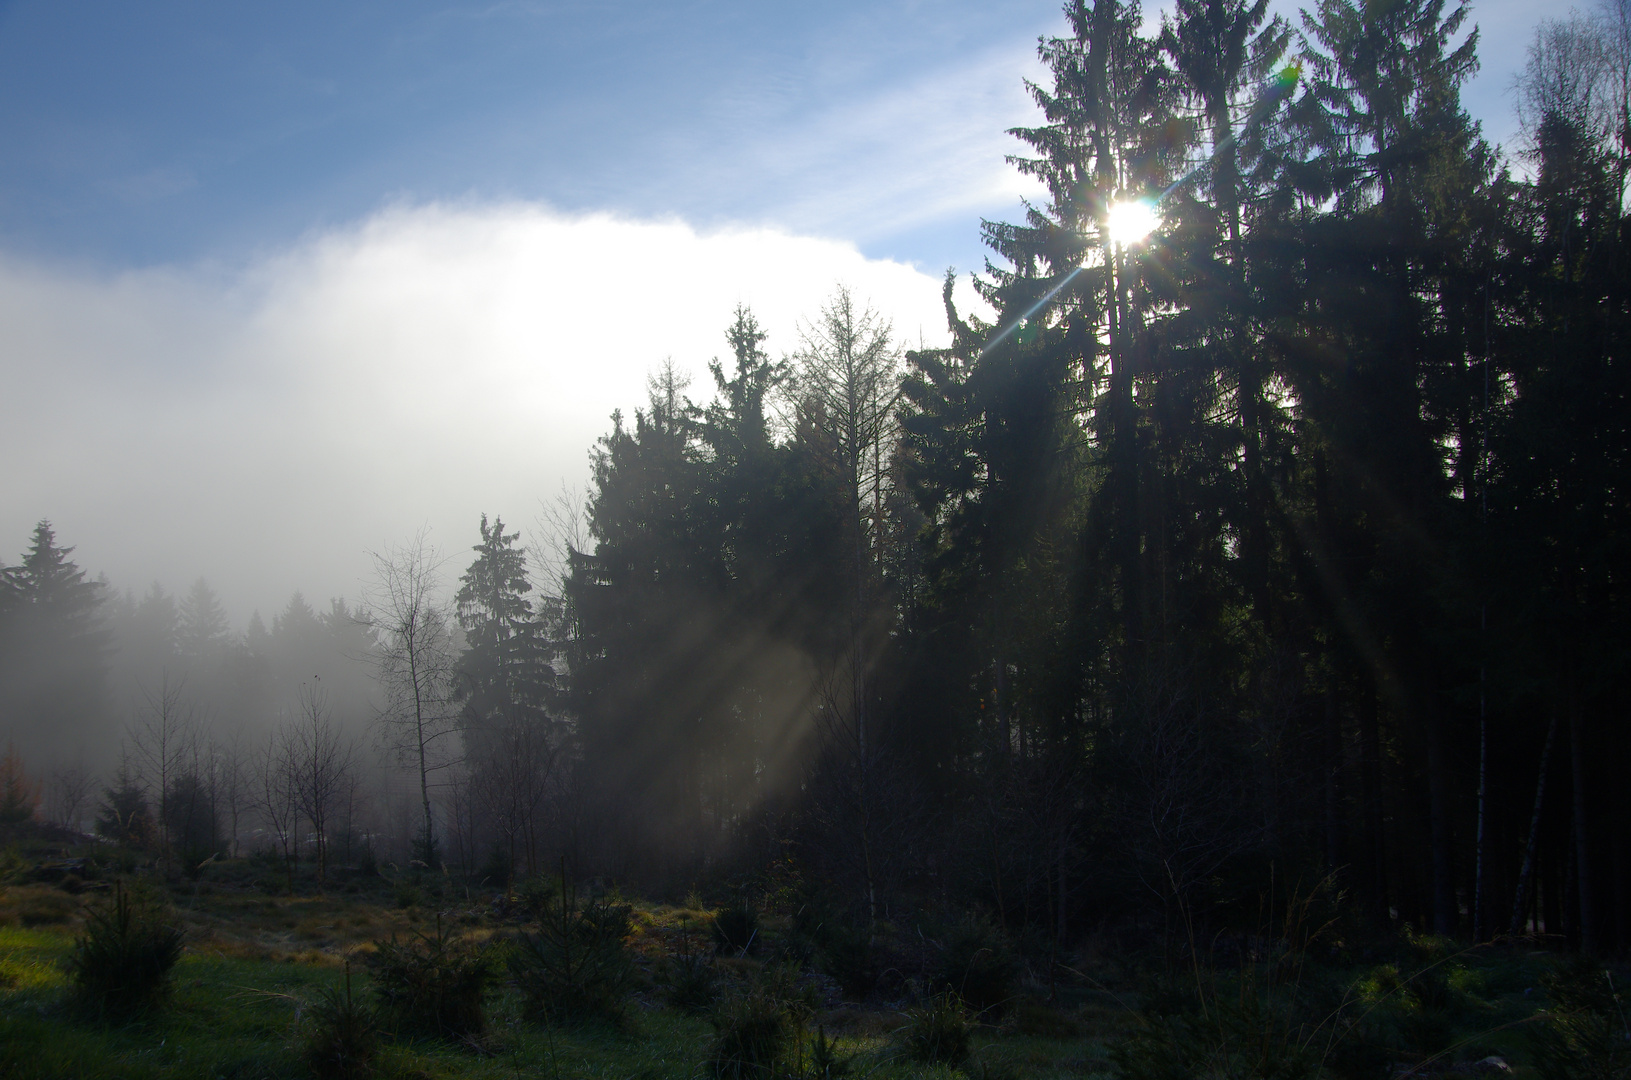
(265, 427)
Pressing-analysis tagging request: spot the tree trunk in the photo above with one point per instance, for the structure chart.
(1582, 845)
(1520, 908)
(1333, 795)
(1445, 911)
(1370, 751)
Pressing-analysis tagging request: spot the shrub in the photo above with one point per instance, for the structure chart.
(425, 850)
(341, 1035)
(691, 982)
(495, 872)
(1244, 1038)
(576, 967)
(1429, 1011)
(751, 1033)
(122, 962)
(736, 929)
(783, 984)
(1585, 1034)
(937, 1032)
(977, 965)
(123, 815)
(841, 948)
(538, 895)
(433, 985)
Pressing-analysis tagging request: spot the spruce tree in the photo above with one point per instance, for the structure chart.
(504, 675)
(54, 654)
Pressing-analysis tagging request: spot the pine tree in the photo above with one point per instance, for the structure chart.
(504, 675)
(506, 682)
(19, 795)
(54, 649)
(202, 630)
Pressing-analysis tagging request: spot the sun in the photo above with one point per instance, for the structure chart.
(1130, 222)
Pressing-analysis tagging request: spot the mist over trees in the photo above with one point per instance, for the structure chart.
(1289, 542)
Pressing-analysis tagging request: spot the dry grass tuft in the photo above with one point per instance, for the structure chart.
(38, 905)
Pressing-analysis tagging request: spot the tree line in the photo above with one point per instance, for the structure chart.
(1284, 543)
(1289, 537)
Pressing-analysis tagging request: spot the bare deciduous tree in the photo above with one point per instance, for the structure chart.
(322, 766)
(1615, 20)
(163, 738)
(846, 384)
(415, 663)
(68, 794)
(511, 781)
(1566, 76)
(277, 796)
(232, 783)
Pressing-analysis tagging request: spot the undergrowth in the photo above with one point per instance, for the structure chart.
(342, 1034)
(938, 1032)
(433, 985)
(577, 967)
(752, 1035)
(121, 963)
(1585, 1035)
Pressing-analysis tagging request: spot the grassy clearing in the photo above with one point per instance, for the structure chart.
(233, 1016)
(253, 964)
(256, 962)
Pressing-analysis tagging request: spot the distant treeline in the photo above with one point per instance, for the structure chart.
(80, 661)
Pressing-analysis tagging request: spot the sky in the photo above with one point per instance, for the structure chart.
(281, 285)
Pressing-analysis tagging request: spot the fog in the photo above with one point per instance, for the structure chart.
(266, 425)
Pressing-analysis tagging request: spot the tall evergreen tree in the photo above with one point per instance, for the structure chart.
(504, 675)
(54, 651)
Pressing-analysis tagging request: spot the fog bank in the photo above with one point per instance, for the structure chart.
(266, 425)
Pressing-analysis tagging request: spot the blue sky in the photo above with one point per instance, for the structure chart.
(158, 132)
(155, 132)
(246, 249)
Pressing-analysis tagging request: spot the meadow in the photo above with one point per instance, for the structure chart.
(262, 970)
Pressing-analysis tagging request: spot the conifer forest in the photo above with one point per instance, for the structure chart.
(1272, 552)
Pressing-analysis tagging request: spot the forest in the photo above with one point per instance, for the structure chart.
(1277, 553)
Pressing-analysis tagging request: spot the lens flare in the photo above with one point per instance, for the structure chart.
(1285, 81)
(1130, 222)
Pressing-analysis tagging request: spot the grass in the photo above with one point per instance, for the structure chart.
(257, 964)
(234, 1013)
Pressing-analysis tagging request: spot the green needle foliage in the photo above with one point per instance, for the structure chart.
(121, 963)
(433, 985)
(342, 1035)
(691, 982)
(577, 967)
